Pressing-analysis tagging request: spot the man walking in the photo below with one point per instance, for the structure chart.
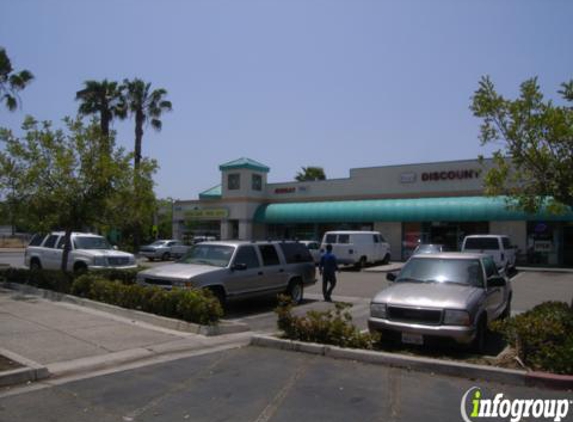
(327, 268)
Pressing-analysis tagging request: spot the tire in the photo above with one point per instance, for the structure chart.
(35, 265)
(507, 311)
(220, 295)
(80, 268)
(362, 262)
(386, 259)
(480, 341)
(165, 256)
(295, 291)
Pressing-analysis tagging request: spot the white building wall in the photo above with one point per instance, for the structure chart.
(392, 231)
(516, 230)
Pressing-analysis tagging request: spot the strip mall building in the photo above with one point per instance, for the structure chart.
(428, 203)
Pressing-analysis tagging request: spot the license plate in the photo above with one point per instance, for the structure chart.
(410, 338)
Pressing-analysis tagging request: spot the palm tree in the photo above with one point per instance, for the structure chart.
(147, 107)
(104, 98)
(310, 173)
(11, 82)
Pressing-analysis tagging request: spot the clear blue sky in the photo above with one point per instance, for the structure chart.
(290, 83)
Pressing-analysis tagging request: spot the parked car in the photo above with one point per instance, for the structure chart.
(357, 247)
(424, 248)
(498, 246)
(442, 296)
(314, 249)
(164, 250)
(239, 269)
(89, 252)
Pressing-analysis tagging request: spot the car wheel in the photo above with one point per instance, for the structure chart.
(362, 262)
(220, 295)
(165, 256)
(80, 268)
(295, 291)
(386, 259)
(479, 342)
(35, 265)
(507, 311)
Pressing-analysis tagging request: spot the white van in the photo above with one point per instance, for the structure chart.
(357, 247)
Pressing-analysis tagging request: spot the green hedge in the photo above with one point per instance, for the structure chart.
(118, 288)
(328, 327)
(542, 336)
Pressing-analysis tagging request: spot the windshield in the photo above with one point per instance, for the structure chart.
(158, 243)
(440, 270)
(91, 242)
(215, 255)
(428, 249)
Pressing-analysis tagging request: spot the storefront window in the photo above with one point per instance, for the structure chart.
(257, 182)
(542, 243)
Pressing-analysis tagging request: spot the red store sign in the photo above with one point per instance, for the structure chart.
(436, 176)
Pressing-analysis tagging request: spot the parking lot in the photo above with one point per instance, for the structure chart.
(530, 287)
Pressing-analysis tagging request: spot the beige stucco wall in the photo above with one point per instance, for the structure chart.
(516, 230)
(392, 231)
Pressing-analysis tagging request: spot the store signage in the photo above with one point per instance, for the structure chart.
(207, 214)
(407, 177)
(285, 190)
(436, 176)
(543, 246)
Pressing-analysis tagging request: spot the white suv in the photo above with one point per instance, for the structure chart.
(89, 251)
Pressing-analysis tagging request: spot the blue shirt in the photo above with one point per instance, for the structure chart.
(328, 263)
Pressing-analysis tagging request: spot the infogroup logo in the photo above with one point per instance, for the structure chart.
(475, 407)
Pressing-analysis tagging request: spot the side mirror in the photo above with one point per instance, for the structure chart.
(496, 282)
(391, 276)
(239, 266)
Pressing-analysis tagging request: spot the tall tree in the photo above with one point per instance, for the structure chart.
(146, 106)
(534, 165)
(62, 179)
(11, 82)
(310, 173)
(104, 99)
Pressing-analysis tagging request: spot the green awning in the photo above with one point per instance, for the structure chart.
(474, 208)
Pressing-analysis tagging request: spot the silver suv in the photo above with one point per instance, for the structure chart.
(442, 296)
(239, 269)
(89, 251)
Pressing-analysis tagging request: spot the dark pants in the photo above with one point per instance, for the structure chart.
(328, 284)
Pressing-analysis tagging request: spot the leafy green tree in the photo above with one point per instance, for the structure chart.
(146, 106)
(106, 100)
(60, 177)
(310, 173)
(11, 82)
(534, 164)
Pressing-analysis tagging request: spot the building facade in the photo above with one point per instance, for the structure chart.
(428, 203)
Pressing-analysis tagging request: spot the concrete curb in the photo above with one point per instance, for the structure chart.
(457, 369)
(224, 327)
(30, 371)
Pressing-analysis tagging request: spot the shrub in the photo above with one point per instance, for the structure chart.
(326, 327)
(542, 336)
(55, 280)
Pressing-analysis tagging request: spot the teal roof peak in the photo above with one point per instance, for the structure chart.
(244, 163)
(213, 193)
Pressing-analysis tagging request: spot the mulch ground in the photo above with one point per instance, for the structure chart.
(7, 364)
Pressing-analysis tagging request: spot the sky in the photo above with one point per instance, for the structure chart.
(338, 84)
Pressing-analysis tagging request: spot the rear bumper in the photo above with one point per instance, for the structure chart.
(460, 334)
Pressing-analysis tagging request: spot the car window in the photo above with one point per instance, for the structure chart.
(439, 270)
(506, 243)
(330, 238)
(269, 254)
(295, 252)
(482, 243)
(91, 242)
(382, 239)
(343, 238)
(51, 241)
(375, 238)
(248, 256)
(37, 240)
(313, 246)
(490, 268)
(61, 243)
